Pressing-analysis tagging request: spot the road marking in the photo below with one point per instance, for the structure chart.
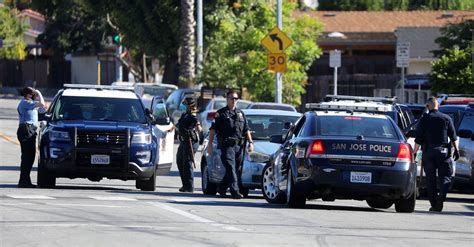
(112, 198)
(194, 217)
(33, 197)
(9, 139)
(191, 200)
(86, 205)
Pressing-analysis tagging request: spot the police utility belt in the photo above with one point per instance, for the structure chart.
(232, 141)
(444, 148)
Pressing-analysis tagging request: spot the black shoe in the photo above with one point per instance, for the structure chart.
(222, 192)
(237, 195)
(24, 185)
(182, 189)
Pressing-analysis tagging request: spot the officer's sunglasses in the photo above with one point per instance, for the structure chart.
(232, 98)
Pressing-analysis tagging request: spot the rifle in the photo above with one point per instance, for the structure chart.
(190, 143)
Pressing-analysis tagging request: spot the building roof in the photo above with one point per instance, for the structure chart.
(385, 21)
(31, 13)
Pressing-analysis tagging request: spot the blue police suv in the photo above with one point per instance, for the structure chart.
(342, 155)
(98, 132)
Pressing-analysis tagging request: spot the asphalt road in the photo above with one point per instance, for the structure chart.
(113, 213)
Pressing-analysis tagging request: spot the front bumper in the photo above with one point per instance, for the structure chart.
(318, 178)
(73, 162)
(252, 174)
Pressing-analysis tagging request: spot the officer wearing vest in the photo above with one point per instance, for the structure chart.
(432, 134)
(26, 133)
(231, 129)
(188, 133)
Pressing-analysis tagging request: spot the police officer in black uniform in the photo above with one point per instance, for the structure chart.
(231, 128)
(432, 134)
(188, 132)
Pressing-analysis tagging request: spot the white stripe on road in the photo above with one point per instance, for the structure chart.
(191, 200)
(194, 217)
(86, 205)
(112, 198)
(33, 197)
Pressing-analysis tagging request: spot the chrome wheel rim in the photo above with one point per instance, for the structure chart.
(269, 187)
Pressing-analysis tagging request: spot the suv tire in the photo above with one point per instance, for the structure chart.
(44, 179)
(148, 185)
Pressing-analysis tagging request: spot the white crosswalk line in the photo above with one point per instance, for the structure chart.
(112, 198)
(33, 197)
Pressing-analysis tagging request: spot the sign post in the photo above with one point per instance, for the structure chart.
(403, 60)
(276, 42)
(335, 62)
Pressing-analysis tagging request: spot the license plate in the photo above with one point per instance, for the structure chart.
(100, 159)
(361, 177)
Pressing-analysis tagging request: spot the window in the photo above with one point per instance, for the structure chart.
(356, 126)
(264, 126)
(99, 109)
(467, 122)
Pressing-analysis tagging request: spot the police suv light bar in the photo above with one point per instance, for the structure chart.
(391, 100)
(100, 87)
(333, 107)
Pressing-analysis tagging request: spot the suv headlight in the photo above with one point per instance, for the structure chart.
(256, 157)
(56, 135)
(141, 138)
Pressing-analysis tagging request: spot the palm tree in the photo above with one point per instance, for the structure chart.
(187, 64)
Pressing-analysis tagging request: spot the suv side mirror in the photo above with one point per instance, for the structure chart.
(276, 139)
(162, 121)
(465, 133)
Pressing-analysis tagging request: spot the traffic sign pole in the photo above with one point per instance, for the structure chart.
(335, 62)
(278, 76)
(403, 60)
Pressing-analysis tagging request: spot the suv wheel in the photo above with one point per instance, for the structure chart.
(44, 179)
(270, 191)
(148, 185)
(293, 198)
(208, 188)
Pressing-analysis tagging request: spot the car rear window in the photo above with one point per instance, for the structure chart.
(272, 107)
(356, 126)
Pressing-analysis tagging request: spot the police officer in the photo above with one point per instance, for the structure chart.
(26, 133)
(432, 134)
(231, 128)
(188, 132)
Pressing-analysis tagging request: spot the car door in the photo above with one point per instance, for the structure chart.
(165, 133)
(281, 159)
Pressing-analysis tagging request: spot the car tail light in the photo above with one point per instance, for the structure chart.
(404, 153)
(211, 115)
(316, 147)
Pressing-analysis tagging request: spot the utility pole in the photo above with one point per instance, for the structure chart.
(279, 76)
(472, 52)
(144, 67)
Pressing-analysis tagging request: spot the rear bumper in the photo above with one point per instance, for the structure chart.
(317, 178)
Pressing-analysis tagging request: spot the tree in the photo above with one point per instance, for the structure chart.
(11, 31)
(70, 27)
(234, 57)
(187, 65)
(452, 72)
(455, 35)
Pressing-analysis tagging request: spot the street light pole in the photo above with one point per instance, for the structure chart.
(278, 79)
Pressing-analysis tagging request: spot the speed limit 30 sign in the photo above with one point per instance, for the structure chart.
(276, 62)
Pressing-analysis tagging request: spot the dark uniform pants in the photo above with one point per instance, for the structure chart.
(28, 153)
(231, 157)
(185, 164)
(437, 159)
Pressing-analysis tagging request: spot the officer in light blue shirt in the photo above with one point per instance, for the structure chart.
(26, 133)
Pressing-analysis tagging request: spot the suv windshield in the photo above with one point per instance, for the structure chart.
(263, 126)
(356, 126)
(99, 109)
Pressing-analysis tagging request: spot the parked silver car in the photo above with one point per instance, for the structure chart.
(465, 164)
(263, 124)
(206, 117)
